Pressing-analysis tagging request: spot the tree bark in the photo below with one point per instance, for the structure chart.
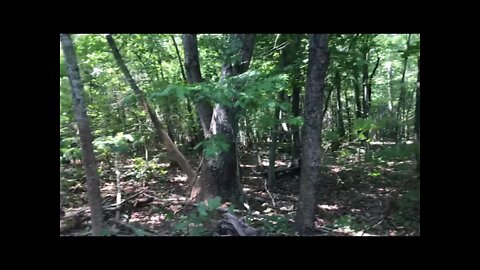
(86, 138)
(311, 151)
(192, 67)
(172, 149)
(182, 70)
(221, 174)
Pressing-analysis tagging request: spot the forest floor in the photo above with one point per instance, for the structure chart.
(355, 198)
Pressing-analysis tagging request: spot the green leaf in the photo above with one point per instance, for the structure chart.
(202, 210)
(213, 203)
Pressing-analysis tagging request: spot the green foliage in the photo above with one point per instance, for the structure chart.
(195, 223)
(277, 224)
(145, 170)
(214, 145)
(396, 152)
(120, 144)
(408, 208)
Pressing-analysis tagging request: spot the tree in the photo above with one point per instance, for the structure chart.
(172, 149)
(194, 75)
(401, 97)
(311, 149)
(220, 173)
(417, 118)
(86, 138)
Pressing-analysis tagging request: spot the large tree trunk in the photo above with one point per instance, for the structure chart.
(417, 118)
(311, 152)
(192, 67)
(220, 174)
(88, 157)
(172, 149)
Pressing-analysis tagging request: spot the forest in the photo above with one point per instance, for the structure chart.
(240, 134)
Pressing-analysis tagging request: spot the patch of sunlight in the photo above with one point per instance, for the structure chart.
(369, 195)
(374, 174)
(355, 210)
(268, 210)
(336, 169)
(164, 165)
(180, 178)
(284, 208)
(328, 207)
(246, 189)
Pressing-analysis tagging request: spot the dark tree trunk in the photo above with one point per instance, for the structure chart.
(341, 126)
(401, 98)
(192, 67)
(86, 138)
(311, 152)
(272, 151)
(347, 109)
(327, 100)
(296, 129)
(182, 70)
(417, 118)
(358, 103)
(172, 149)
(221, 174)
(296, 88)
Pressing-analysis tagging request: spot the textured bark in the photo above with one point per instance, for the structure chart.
(88, 157)
(192, 68)
(311, 152)
(172, 150)
(221, 174)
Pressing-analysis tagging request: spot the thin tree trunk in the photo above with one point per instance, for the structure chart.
(341, 127)
(366, 107)
(182, 70)
(192, 67)
(327, 100)
(172, 149)
(86, 138)
(311, 151)
(356, 92)
(401, 98)
(296, 129)
(349, 119)
(389, 92)
(272, 152)
(296, 88)
(417, 119)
